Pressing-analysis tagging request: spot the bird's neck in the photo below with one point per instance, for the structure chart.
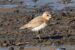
(45, 18)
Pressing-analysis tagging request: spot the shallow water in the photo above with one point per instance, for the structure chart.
(3, 48)
(8, 6)
(54, 3)
(30, 3)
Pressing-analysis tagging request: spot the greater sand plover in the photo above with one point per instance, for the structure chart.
(38, 22)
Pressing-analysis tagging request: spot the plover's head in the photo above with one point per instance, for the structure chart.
(46, 15)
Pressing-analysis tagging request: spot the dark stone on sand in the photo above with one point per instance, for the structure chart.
(11, 48)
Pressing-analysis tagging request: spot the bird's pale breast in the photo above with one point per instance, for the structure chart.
(39, 27)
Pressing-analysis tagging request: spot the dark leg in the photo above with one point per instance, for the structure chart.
(38, 36)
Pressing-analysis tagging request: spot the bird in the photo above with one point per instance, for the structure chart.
(38, 22)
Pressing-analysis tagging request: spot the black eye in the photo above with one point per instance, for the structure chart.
(47, 15)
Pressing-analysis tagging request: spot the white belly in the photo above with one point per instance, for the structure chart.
(39, 27)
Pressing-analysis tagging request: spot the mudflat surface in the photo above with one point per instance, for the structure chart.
(60, 29)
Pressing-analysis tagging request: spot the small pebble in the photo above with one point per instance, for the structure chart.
(21, 48)
(5, 44)
(61, 49)
(11, 48)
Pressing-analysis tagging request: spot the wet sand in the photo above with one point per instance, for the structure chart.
(10, 34)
